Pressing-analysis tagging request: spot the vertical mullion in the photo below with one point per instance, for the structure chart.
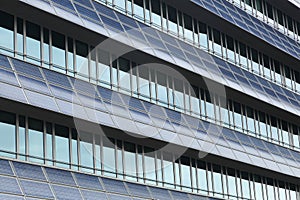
(17, 132)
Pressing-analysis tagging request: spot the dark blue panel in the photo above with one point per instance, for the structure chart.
(4, 62)
(154, 109)
(126, 20)
(117, 197)
(196, 197)
(173, 115)
(66, 193)
(192, 121)
(8, 77)
(57, 78)
(105, 93)
(84, 87)
(9, 185)
(140, 116)
(60, 176)
(175, 51)
(88, 181)
(229, 134)
(111, 23)
(10, 197)
(64, 94)
(87, 3)
(138, 190)
(161, 194)
(243, 138)
(92, 195)
(34, 85)
(27, 68)
(103, 10)
(272, 148)
(29, 171)
(36, 189)
(5, 167)
(179, 195)
(65, 3)
(258, 143)
(155, 43)
(114, 186)
(87, 12)
(285, 152)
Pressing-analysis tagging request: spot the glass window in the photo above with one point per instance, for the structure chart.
(202, 177)
(156, 12)
(177, 174)
(46, 48)
(282, 195)
(185, 170)
(33, 42)
(180, 24)
(144, 83)
(295, 136)
(120, 4)
(285, 133)
(22, 138)
(62, 151)
(255, 62)
(7, 134)
(237, 116)
(224, 111)
(20, 39)
(195, 104)
(270, 189)
(168, 170)
(130, 161)
(82, 66)
(58, 51)
(210, 111)
(138, 9)
(49, 144)
(134, 80)
(178, 95)
(217, 180)
(103, 68)
(274, 129)
(188, 25)
(162, 92)
(149, 159)
(159, 171)
(93, 65)
(262, 125)
(109, 158)
(277, 72)
(74, 148)
(71, 56)
(119, 159)
(35, 140)
(147, 11)
(245, 185)
(114, 73)
(217, 42)
(124, 75)
(230, 48)
(7, 33)
(250, 120)
(258, 188)
(98, 154)
(140, 166)
(243, 55)
(172, 20)
(288, 77)
(232, 187)
(86, 151)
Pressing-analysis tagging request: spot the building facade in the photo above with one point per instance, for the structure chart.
(149, 99)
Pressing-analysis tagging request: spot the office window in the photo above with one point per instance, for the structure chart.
(49, 144)
(217, 181)
(285, 133)
(46, 48)
(22, 138)
(232, 185)
(120, 4)
(255, 62)
(58, 52)
(134, 79)
(250, 120)
(20, 39)
(217, 42)
(33, 42)
(185, 170)
(195, 103)
(98, 157)
(168, 170)
(147, 11)
(74, 150)
(277, 72)
(103, 68)
(295, 134)
(130, 161)
(144, 82)
(243, 55)
(274, 129)
(156, 12)
(124, 75)
(70, 56)
(138, 9)
(35, 140)
(270, 188)
(282, 192)
(7, 33)
(188, 25)
(178, 94)
(149, 165)
(82, 65)
(258, 187)
(202, 177)
(86, 151)
(210, 110)
(108, 163)
(230, 48)
(245, 185)
(93, 65)
(119, 159)
(62, 151)
(177, 174)
(7, 134)
(162, 91)
(140, 164)
(172, 20)
(262, 125)
(237, 114)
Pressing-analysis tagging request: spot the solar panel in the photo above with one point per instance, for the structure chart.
(4, 62)
(111, 23)
(179, 195)
(66, 193)
(27, 69)
(117, 197)
(39, 100)
(57, 78)
(29, 171)
(5, 167)
(84, 87)
(9, 185)
(36, 189)
(93, 195)
(87, 3)
(65, 3)
(12, 92)
(159, 193)
(126, 20)
(114, 186)
(138, 190)
(140, 116)
(34, 85)
(10, 197)
(60, 176)
(87, 12)
(8, 77)
(88, 181)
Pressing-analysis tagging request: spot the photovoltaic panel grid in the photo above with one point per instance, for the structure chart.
(16, 188)
(117, 110)
(184, 55)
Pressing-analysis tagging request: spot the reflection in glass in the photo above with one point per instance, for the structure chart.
(217, 180)
(124, 75)
(144, 83)
(156, 12)
(172, 22)
(202, 177)
(185, 173)
(245, 185)
(168, 170)
(109, 157)
(103, 68)
(46, 48)
(162, 92)
(86, 151)
(149, 159)
(138, 9)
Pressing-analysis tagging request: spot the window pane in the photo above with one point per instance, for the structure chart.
(124, 75)
(202, 177)
(46, 48)
(7, 33)
(7, 134)
(168, 170)
(156, 12)
(20, 38)
(138, 8)
(103, 68)
(185, 173)
(35, 140)
(58, 51)
(172, 22)
(144, 82)
(82, 66)
(130, 161)
(149, 159)
(109, 157)
(22, 138)
(74, 155)
(48, 143)
(33, 42)
(86, 151)
(217, 178)
(162, 93)
(62, 146)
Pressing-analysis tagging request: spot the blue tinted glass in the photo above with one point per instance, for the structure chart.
(88, 13)
(7, 134)
(88, 181)
(60, 176)
(111, 23)
(36, 189)
(4, 62)
(29, 171)
(5, 167)
(138, 190)
(27, 68)
(117, 197)
(92, 195)
(57, 78)
(104, 10)
(10, 197)
(33, 84)
(159, 193)
(65, 3)
(85, 2)
(179, 195)
(8, 77)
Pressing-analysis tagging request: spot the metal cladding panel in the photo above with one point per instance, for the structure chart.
(119, 111)
(177, 52)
